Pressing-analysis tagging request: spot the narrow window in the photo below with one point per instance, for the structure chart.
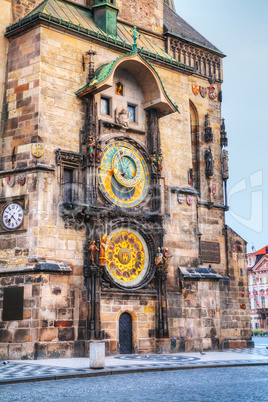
(13, 304)
(68, 180)
(105, 106)
(132, 113)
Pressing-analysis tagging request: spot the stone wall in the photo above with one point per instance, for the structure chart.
(22, 99)
(45, 68)
(5, 19)
(234, 294)
(194, 316)
(142, 309)
(149, 15)
(54, 318)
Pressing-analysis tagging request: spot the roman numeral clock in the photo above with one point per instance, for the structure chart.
(12, 216)
(123, 177)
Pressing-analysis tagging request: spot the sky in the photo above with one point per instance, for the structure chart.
(239, 28)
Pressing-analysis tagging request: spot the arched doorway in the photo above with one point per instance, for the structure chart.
(125, 333)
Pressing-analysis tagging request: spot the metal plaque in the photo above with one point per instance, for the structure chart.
(210, 252)
(13, 304)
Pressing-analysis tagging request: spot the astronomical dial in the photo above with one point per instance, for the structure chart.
(123, 175)
(127, 257)
(12, 216)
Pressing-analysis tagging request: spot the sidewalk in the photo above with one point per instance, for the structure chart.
(16, 371)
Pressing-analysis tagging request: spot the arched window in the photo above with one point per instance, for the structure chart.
(194, 143)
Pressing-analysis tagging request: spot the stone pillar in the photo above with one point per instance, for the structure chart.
(97, 355)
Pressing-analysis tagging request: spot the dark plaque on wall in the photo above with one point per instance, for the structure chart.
(13, 304)
(210, 252)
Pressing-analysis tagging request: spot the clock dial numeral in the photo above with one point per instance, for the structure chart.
(12, 216)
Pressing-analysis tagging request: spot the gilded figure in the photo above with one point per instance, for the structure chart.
(93, 252)
(90, 150)
(103, 242)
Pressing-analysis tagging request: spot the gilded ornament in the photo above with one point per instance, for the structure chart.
(126, 256)
(38, 149)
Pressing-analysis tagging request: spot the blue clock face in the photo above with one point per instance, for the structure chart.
(123, 175)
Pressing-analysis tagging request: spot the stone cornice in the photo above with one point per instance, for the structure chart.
(27, 169)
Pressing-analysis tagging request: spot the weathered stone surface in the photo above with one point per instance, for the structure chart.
(97, 355)
(45, 69)
(22, 335)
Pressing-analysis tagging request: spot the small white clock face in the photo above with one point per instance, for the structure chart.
(12, 216)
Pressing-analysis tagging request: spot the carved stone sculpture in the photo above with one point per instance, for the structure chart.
(98, 152)
(158, 258)
(90, 150)
(102, 259)
(122, 117)
(225, 167)
(159, 163)
(166, 257)
(209, 163)
(154, 163)
(93, 252)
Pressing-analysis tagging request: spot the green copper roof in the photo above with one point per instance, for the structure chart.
(105, 70)
(77, 18)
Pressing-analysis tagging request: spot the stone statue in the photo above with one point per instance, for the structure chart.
(154, 163)
(98, 152)
(224, 162)
(122, 117)
(90, 150)
(93, 252)
(159, 163)
(209, 163)
(102, 259)
(158, 258)
(166, 258)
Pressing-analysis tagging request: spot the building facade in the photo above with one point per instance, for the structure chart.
(113, 180)
(258, 288)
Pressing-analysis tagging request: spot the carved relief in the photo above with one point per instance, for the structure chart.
(225, 167)
(122, 117)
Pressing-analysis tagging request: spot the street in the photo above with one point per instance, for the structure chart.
(218, 384)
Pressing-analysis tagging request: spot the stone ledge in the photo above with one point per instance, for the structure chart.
(201, 272)
(237, 344)
(36, 167)
(46, 266)
(43, 350)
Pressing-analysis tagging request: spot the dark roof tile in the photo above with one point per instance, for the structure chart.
(173, 23)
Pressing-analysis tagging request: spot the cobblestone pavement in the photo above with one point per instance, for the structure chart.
(19, 371)
(224, 384)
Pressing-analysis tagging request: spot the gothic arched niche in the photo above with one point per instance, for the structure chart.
(154, 93)
(132, 98)
(194, 144)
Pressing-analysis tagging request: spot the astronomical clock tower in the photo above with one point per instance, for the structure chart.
(113, 184)
(124, 199)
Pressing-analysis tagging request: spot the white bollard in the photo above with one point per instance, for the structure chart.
(97, 354)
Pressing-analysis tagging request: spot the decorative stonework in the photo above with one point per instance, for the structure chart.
(205, 63)
(68, 158)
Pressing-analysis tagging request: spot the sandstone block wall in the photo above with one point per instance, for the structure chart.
(234, 293)
(45, 68)
(143, 312)
(149, 15)
(195, 316)
(54, 312)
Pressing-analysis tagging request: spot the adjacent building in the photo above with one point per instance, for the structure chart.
(258, 288)
(113, 184)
